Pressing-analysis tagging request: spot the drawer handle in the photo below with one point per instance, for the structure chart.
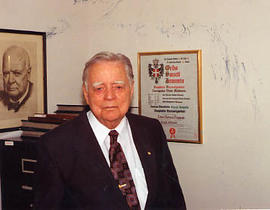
(25, 187)
(24, 160)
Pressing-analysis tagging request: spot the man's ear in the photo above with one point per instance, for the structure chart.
(132, 88)
(85, 93)
(29, 73)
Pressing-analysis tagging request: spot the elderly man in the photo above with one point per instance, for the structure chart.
(107, 159)
(16, 73)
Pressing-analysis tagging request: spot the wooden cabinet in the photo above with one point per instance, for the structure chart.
(17, 165)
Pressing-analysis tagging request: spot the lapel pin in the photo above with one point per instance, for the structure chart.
(149, 153)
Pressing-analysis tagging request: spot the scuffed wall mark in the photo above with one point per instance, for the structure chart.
(52, 32)
(166, 31)
(254, 102)
(213, 71)
(243, 73)
(106, 7)
(244, 67)
(234, 71)
(229, 67)
(113, 5)
(186, 29)
(80, 1)
(231, 64)
(236, 68)
(214, 33)
(137, 28)
(173, 29)
(60, 28)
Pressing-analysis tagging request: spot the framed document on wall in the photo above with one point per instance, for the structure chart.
(22, 76)
(170, 90)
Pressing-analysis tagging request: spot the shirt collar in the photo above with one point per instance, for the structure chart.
(100, 130)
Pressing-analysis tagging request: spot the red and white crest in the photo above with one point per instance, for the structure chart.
(155, 70)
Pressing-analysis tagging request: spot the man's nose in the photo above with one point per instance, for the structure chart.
(109, 94)
(11, 78)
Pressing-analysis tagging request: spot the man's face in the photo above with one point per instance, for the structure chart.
(109, 92)
(15, 76)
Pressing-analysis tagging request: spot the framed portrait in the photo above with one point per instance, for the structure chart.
(170, 90)
(22, 76)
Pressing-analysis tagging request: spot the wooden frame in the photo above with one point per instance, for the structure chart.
(22, 76)
(170, 90)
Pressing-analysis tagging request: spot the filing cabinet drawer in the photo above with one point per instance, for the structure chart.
(18, 162)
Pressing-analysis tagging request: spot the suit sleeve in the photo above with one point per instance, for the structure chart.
(49, 188)
(170, 191)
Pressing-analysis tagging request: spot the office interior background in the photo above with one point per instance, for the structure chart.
(230, 170)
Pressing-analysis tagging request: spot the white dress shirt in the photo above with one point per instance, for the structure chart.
(127, 143)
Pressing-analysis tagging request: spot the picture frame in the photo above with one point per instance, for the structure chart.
(23, 79)
(170, 90)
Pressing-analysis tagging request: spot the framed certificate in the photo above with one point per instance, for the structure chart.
(170, 90)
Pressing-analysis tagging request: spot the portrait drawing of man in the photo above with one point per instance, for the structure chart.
(17, 87)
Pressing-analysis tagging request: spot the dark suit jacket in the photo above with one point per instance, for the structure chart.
(73, 173)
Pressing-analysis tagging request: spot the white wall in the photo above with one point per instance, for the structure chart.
(231, 168)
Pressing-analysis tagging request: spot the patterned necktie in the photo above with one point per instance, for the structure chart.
(121, 172)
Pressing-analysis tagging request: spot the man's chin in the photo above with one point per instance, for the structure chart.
(14, 96)
(112, 119)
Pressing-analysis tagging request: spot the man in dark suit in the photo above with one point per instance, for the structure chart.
(107, 159)
(16, 74)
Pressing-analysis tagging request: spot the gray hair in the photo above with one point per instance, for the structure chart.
(108, 56)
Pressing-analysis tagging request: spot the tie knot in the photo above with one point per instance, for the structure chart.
(113, 134)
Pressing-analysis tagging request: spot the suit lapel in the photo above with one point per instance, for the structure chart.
(141, 137)
(89, 149)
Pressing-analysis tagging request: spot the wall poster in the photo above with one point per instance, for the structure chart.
(170, 91)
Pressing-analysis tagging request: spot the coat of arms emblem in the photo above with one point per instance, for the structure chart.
(155, 70)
